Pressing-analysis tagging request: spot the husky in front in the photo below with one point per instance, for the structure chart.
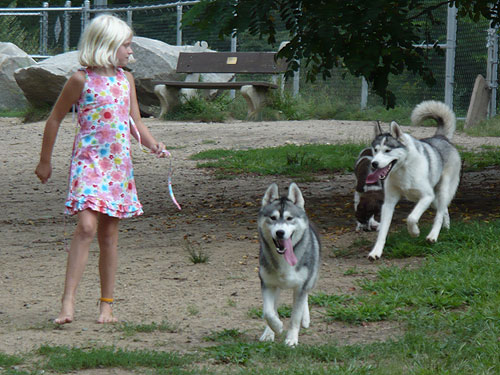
(289, 259)
(425, 171)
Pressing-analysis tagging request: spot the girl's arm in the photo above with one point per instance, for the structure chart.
(147, 138)
(69, 96)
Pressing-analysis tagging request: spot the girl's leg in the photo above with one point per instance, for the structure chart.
(107, 235)
(77, 259)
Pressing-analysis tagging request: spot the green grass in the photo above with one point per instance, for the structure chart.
(287, 160)
(486, 156)
(63, 359)
(303, 161)
(12, 113)
(487, 128)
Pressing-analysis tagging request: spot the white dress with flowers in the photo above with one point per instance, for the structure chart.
(101, 172)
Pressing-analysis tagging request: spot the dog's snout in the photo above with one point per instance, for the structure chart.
(375, 164)
(280, 233)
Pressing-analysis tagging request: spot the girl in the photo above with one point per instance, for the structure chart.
(101, 183)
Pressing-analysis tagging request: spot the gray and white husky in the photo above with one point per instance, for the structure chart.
(425, 171)
(289, 259)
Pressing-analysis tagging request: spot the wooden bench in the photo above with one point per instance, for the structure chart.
(193, 63)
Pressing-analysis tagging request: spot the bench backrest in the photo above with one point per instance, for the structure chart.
(230, 62)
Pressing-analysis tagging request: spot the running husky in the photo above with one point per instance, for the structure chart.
(289, 259)
(425, 171)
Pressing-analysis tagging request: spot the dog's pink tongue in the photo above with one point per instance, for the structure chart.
(289, 254)
(373, 177)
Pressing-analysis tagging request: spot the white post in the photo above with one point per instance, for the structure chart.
(364, 93)
(44, 30)
(492, 69)
(85, 14)
(179, 24)
(66, 22)
(129, 17)
(234, 47)
(296, 83)
(451, 46)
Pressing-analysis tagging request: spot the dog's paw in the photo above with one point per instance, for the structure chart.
(413, 228)
(267, 335)
(375, 254)
(292, 338)
(432, 238)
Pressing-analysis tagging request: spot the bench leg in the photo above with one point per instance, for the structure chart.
(169, 98)
(255, 97)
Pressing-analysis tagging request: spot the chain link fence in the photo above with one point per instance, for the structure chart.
(59, 29)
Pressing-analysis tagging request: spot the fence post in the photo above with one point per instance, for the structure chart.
(451, 46)
(364, 93)
(129, 17)
(233, 47)
(67, 20)
(179, 24)
(492, 69)
(85, 14)
(44, 30)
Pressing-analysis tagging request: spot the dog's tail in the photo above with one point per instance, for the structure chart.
(438, 111)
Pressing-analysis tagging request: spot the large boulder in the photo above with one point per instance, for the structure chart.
(11, 59)
(154, 61)
(42, 83)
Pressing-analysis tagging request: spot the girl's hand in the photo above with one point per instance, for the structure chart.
(43, 171)
(160, 150)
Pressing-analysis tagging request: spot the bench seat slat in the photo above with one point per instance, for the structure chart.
(217, 85)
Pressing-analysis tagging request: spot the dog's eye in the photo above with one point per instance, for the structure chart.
(386, 151)
(273, 218)
(289, 218)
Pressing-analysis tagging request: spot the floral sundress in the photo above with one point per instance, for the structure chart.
(101, 173)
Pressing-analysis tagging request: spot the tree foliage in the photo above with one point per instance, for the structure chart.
(371, 38)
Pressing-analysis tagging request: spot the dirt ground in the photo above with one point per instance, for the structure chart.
(156, 280)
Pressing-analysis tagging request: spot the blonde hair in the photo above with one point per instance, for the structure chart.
(100, 41)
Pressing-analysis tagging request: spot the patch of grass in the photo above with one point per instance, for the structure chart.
(458, 269)
(486, 156)
(200, 109)
(9, 360)
(195, 252)
(12, 113)
(302, 161)
(65, 359)
(487, 128)
(224, 335)
(287, 160)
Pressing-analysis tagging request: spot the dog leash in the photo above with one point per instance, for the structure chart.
(170, 169)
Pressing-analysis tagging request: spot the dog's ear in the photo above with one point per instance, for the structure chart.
(396, 131)
(295, 195)
(377, 129)
(270, 195)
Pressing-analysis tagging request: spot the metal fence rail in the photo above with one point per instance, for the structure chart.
(469, 49)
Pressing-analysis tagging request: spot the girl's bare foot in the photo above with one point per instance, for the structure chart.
(106, 313)
(67, 312)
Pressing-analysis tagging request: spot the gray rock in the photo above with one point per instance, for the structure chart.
(42, 83)
(11, 59)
